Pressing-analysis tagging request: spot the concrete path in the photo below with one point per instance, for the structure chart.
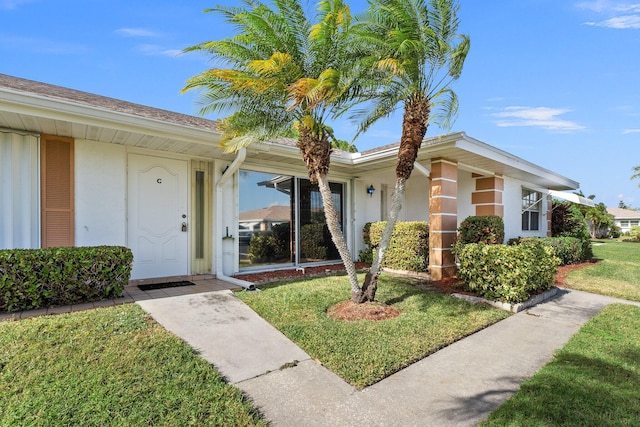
(457, 386)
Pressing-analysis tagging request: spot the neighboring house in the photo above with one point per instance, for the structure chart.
(81, 169)
(625, 218)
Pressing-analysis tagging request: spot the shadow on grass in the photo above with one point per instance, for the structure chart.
(575, 390)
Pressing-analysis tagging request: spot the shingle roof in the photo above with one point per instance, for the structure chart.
(620, 213)
(102, 102)
(271, 213)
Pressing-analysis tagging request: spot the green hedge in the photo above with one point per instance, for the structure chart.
(487, 229)
(570, 250)
(35, 278)
(312, 244)
(506, 273)
(409, 246)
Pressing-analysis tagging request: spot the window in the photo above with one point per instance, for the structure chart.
(531, 207)
(282, 220)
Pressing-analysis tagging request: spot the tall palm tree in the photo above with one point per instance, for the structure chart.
(417, 54)
(283, 75)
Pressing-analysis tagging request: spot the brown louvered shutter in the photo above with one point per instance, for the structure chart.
(57, 191)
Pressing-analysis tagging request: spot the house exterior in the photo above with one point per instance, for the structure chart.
(82, 169)
(625, 218)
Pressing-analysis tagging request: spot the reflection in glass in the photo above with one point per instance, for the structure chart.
(267, 227)
(315, 241)
(266, 219)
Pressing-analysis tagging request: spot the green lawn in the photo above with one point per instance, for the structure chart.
(593, 381)
(110, 366)
(617, 274)
(364, 352)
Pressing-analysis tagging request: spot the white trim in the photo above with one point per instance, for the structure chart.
(574, 198)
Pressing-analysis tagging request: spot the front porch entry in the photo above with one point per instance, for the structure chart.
(158, 216)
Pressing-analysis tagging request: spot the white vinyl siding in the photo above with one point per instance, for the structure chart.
(19, 191)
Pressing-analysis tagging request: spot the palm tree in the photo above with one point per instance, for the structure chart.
(417, 55)
(283, 75)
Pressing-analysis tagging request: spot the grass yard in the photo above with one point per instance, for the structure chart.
(593, 381)
(110, 366)
(364, 352)
(616, 275)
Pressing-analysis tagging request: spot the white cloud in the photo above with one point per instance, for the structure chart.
(610, 6)
(135, 32)
(155, 50)
(543, 117)
(619, 22)
(621, 15)
(629, 131)
(12, 4)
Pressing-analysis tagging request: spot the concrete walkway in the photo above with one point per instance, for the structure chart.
(457, 386)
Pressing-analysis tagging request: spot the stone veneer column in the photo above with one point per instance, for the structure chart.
(443, 218)
(488, 195)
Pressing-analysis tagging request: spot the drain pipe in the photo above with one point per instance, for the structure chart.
(424, 171)
(226, 175)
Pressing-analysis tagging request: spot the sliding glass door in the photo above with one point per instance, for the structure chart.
(274, 209)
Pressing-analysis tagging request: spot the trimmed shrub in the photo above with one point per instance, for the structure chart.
(568, 249)
(506, 273)
(409, 246)
(487, 229)
(568, 221)
(282, 238)
(270, 246)
(312, 244)
(35, 278)
(262, 248)
(635, 232)
(366, 255)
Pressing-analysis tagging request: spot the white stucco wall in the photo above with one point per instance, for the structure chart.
(415, 206)
(466, 186)
(512, 200)
(100, 193)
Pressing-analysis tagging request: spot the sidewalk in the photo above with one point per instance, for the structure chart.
(457, 386)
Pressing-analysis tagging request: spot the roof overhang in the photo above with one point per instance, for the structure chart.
(46, 109)
(471, 155)
(48, 115)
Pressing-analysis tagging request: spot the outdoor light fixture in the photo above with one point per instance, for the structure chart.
(370, 190)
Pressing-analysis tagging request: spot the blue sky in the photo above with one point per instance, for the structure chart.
(554, 82)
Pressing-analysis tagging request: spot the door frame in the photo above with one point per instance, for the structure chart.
(185, 188)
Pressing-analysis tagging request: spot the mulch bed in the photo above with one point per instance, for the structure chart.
(348, 311)
(263, 277)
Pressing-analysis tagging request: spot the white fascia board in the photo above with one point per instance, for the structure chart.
(485, 150)
(56, 109)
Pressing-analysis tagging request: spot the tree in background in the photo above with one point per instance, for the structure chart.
(636, 173)
(412, 53)
(283, 74)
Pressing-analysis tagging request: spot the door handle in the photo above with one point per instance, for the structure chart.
(184, 226)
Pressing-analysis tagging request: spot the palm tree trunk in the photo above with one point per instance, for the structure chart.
(316, 153)
(370, 285)
(333, 223)
(414, 127)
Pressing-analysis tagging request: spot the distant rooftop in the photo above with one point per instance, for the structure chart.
(620, 213)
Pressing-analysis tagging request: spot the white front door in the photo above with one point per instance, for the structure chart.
(157, 211)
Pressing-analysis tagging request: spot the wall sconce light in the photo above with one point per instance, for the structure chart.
(370, 190)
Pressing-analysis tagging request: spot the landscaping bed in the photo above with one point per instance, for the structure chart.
(363, 352)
